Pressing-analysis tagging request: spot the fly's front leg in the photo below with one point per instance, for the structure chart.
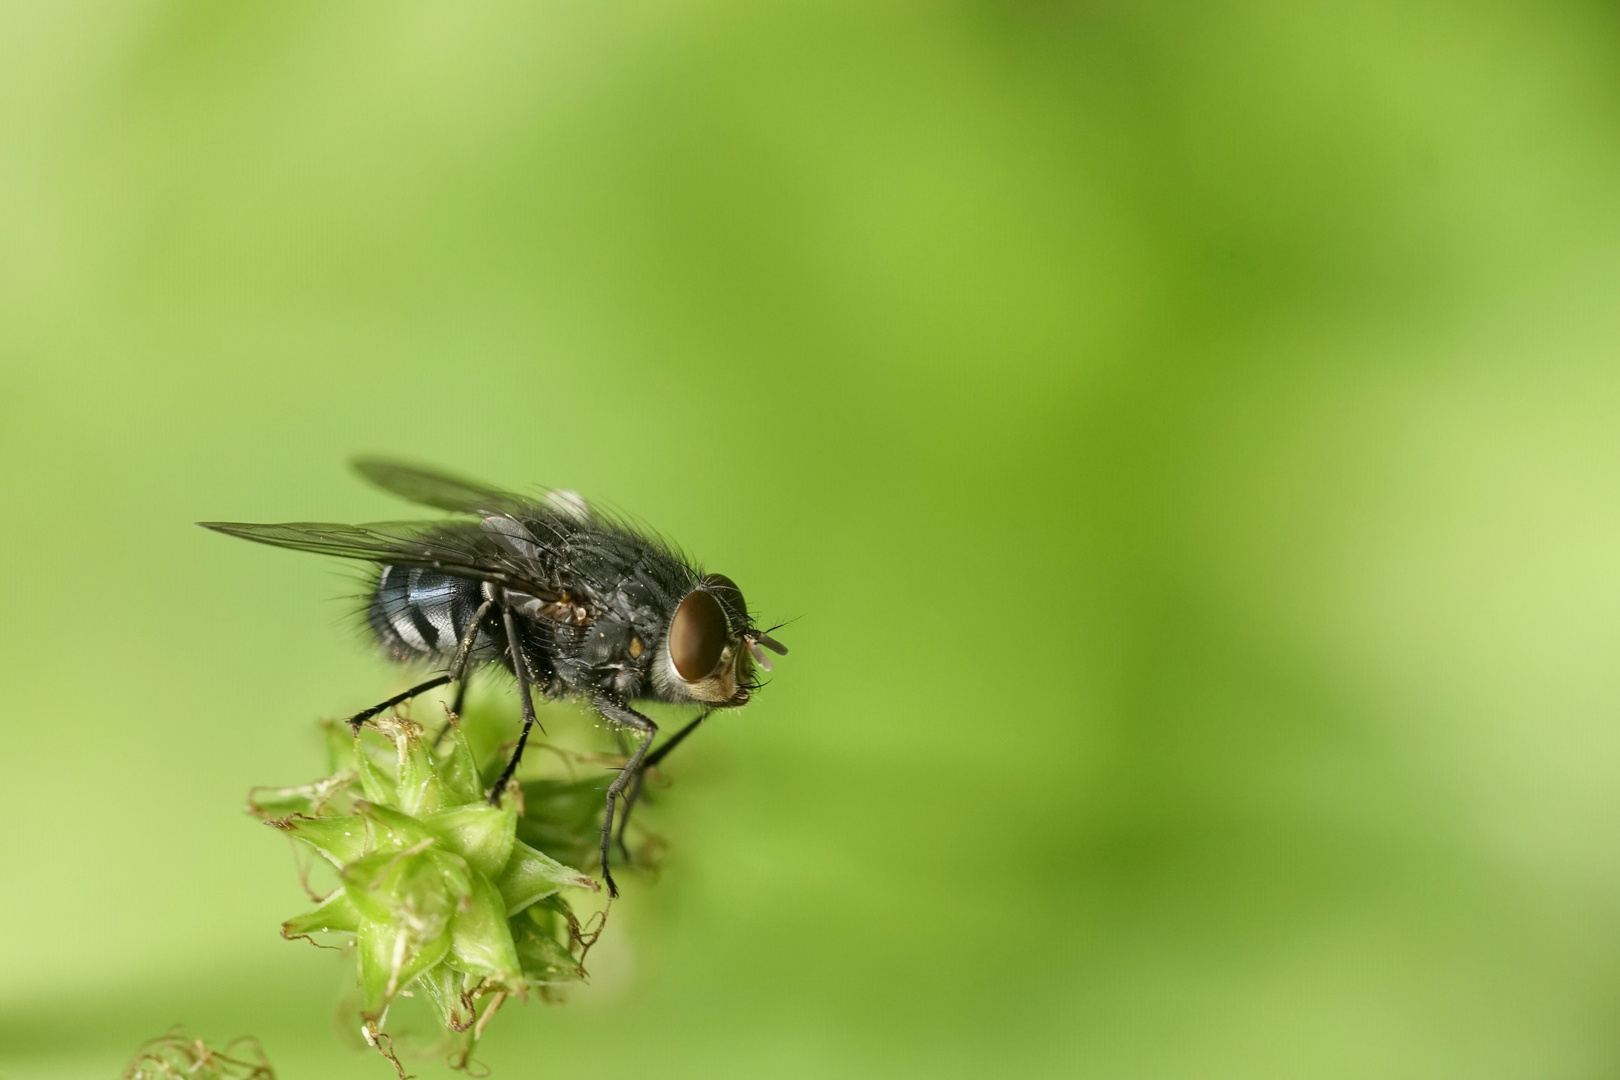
(634, 794)
(675, 740)
(623, 715)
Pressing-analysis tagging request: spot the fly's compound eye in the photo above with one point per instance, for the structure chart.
(730, 596)
(697, 636)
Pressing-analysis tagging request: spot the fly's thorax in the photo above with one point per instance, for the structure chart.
(608, 641)
(616, 652)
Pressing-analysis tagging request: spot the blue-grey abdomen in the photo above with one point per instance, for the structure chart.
(421, 614)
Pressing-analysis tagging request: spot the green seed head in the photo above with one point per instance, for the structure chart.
(436, 893)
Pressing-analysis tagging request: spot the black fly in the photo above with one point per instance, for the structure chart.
(571, 601)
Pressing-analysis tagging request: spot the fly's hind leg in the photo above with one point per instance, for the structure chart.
(460, 667)
(456, 674)
(359, 718)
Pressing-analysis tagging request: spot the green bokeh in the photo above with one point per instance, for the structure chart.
(1186, 436)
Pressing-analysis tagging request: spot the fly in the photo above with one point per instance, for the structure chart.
(572, 602)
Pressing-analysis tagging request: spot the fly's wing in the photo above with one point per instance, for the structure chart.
(428, 488)
(469, 553)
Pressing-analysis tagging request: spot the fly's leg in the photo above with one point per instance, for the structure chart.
(462, 662)
(456, 674)
(361, 717)
(634, 793)
(675, 740)
(520, 666)
(624, 716)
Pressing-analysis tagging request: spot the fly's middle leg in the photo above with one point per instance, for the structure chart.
(520, 666)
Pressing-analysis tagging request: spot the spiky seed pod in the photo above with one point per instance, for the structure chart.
(437, 894)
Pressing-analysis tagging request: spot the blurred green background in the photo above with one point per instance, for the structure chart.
(1185, 434)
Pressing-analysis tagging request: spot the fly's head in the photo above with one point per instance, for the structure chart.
(712, 648)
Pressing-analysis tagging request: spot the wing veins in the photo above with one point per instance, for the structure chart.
(429, 487)
(376, 543)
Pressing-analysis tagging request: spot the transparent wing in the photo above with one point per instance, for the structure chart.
(466, 552)
(429, 488)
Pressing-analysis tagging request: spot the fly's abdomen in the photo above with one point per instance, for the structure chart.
(420, 614)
